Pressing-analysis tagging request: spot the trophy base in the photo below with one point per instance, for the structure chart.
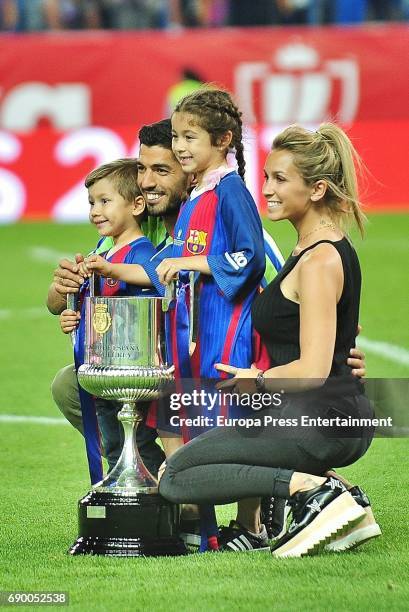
(131, 525)
(129, 547)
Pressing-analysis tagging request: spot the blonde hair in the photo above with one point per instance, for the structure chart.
(123, 173)
(327, 155)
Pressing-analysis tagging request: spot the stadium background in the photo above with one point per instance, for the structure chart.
(70, 101)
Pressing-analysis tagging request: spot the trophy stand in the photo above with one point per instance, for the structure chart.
(123, 514)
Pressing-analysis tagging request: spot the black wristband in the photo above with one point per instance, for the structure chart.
(260, 382)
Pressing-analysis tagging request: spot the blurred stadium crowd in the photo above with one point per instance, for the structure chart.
(38, 15)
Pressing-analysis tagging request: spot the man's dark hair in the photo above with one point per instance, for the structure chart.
(157, 134)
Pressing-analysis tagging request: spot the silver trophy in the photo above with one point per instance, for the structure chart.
(124, 514)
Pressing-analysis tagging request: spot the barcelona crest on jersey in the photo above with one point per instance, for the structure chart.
(196, 242)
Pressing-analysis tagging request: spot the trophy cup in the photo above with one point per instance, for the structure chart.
(123, 514)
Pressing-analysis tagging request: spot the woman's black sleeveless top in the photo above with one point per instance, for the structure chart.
(277, 319)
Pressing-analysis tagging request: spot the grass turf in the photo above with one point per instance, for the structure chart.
(47, 474)
(44, 468)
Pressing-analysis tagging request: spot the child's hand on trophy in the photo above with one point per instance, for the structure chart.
(83, 270)
(96, 263)
(169, 268)
(69, 320)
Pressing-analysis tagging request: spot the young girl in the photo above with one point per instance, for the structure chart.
(307, 318)
(218, 234)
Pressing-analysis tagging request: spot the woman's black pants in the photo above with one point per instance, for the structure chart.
(230, 463)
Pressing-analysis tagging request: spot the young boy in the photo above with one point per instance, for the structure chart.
(117, 209)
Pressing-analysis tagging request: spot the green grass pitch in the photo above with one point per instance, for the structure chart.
(44, 467)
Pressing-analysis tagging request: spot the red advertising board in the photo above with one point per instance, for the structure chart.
(69, 102)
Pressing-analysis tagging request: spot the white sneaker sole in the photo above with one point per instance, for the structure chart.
(356, 537)
(191, 539)
(340, 514)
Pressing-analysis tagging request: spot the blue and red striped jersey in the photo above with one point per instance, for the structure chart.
(224, 225)
(138, 251)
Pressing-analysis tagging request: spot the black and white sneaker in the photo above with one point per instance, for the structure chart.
(318, 516)
(356, 535)
(235, 538)
(274, 513)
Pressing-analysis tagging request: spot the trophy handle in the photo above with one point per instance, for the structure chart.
(94, 287)
(72, 304)
(193, 310)
(170, 292)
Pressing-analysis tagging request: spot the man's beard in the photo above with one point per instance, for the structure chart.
(169, 209)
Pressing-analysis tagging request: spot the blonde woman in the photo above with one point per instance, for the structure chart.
(307, 318)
